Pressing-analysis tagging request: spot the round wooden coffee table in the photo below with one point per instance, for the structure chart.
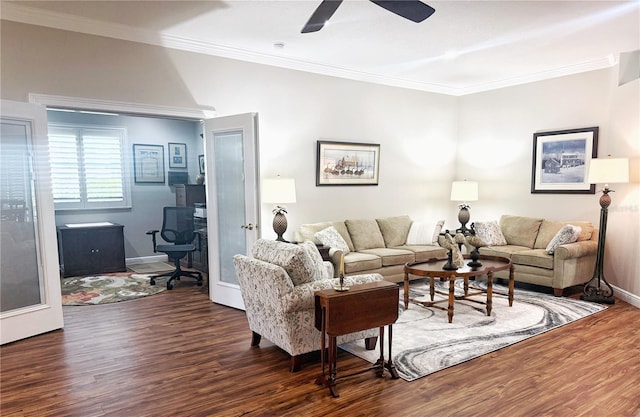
(432, 269)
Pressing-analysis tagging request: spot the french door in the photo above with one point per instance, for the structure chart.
(231, 168)
(30, 301)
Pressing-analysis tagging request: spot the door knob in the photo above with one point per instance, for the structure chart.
(248, 226)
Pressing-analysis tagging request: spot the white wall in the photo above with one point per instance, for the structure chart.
(427, 140)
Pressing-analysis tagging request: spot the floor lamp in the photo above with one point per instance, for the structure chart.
(464, 191)
(604, 171)
(279, 191)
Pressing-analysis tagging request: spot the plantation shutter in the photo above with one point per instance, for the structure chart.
(88, 167)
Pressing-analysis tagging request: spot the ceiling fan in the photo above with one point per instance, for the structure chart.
(413, 10)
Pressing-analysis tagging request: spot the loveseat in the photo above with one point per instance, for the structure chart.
(277, 286)
(536, 249)
(382, 245)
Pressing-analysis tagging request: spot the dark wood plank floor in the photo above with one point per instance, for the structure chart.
(178, 354)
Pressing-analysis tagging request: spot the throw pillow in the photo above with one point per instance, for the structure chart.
(330, 237)
(568, 234)
(424, 233)
(490, 233)
(319, 271)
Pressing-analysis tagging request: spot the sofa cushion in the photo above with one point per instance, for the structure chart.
(423, 253)
(533, 257)
(424, 233)
(586, 230)
(308, 231)
(549, 228)
(520, 230)
(566, 234)
(365, 234)
(394, 230)
(392, 256)
(490, 233)
(292, 258)
(330, 237)
(358, 261)
(505, 251)
(319, 270)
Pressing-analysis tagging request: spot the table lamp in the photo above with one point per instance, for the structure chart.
(279, 191)
(464, 191)
(604, 171)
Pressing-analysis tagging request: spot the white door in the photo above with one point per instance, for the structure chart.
(30, 301)
(231, 169)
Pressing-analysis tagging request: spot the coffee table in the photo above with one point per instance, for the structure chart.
(432, 269)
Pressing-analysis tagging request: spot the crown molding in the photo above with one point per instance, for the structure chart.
(34, 16)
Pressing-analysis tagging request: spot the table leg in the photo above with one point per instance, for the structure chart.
(406, 290)
(489, 292)
(379, 366)
(333, 359)
(452, 287)
(390, 365)
(511, 285)
(466, 286)
(432, 287)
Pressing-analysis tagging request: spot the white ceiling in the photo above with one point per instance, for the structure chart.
(464, 47)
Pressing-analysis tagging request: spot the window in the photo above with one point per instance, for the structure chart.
(88, 167)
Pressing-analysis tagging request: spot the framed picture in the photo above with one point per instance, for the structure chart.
(177, 155)
(561, 161)
(347, 163)
(201, 163)
(148, 163)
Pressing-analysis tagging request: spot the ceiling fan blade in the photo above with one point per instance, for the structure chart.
(325, 10)
(413, 10)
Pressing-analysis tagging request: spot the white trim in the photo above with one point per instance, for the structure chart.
(24, 14)
(626, 296)
(146, 259)
(120, 106)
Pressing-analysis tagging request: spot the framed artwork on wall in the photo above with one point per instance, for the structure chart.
(347, 163)
(148, 163)
(561, 161)
(201, 163)
(177, 155)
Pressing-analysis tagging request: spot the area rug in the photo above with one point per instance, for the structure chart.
(424, 342)
(103, 289)
(151, 267)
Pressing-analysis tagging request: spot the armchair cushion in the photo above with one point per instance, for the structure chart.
(319, 271)
(292, 258)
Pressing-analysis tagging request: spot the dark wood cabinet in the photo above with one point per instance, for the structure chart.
(189, 194)
(91, 249)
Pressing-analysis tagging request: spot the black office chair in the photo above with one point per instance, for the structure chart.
(177, 228)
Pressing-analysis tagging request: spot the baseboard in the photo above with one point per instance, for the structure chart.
(146, 259)
(626, 296)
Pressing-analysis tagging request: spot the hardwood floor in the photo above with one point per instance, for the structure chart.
(178, 354)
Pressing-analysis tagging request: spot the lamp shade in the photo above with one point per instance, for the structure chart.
(608, 171)
(279, 190)
(464, 191)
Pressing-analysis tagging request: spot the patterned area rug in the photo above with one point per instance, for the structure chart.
(103, 289)
(424, 342)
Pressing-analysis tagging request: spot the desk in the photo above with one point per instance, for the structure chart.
(433, 269)
(363, 307)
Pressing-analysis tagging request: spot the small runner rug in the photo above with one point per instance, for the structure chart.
(103, 289)
(424, 342)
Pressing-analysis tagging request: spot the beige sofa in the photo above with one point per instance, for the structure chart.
(380, 246)
(526, 241)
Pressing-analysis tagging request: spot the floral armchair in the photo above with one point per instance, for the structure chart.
(278, 285)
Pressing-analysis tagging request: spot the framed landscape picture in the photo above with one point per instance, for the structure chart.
(177, 155)
(561, 161)
(347, 163)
